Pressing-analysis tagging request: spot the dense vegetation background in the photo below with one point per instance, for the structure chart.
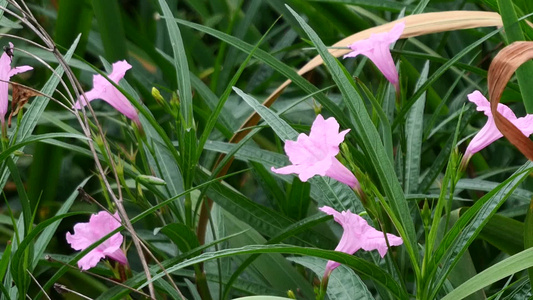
(212, 63)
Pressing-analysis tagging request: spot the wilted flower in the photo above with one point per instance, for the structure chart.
(103, 89)
(86, 234)
(358, 234)
(377, 49)
(5, 75)
(490, 133)
(315, 154)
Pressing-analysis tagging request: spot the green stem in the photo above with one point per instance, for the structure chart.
(323, 287)
(201, 283)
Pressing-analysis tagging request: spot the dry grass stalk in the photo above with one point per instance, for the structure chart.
(501, 70)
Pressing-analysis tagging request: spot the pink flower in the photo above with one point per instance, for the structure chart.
(103, 89)
(490, 133)
(5, 75)
(86, 234)
(315, 154)
(358, 234)
(377, 49)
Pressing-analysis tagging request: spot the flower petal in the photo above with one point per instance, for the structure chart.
(377, 49)
(490, 133)
(340, 173)
(524, 124)
(118, 255)
(86, 234)
(103, 89)
(358, 234)
(90, 260)
(315, 154)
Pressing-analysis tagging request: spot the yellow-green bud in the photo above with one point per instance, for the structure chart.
(157, 95)
(426, 213)
(150, 180)
(291, 294)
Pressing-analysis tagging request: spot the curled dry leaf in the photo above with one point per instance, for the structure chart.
(21, 95)
(501, 70)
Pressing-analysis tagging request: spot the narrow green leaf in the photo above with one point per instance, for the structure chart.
(437, 74)
(514, 33)
(74, 17)
(507, 267)
(38, 138)
(388, 5)
(271, 268)
(110, 27)
(361, 266)
(4, 261)
(342, 284)
(504, 233)
(466, 229)
(413, 130)
(298, 199)
(181, 65)
(296, 228)
(278, 66)
(182, 236)
(244, 25)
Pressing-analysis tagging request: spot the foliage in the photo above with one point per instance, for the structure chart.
(219, 87)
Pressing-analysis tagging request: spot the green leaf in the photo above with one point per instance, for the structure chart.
(507, 267)
(282, 68)
(181, 235)
(38, 138)
(271, 268)
(343, 283)
(4, 261)
(400, 117)
(298, 199)
(414, 129)
(466, 229)
(110, 27)
(302, 226)
(262, 298)
(504, 233)
(74, 17)
(119, 292)
(514, 33)
(181, 65)
(361, 266)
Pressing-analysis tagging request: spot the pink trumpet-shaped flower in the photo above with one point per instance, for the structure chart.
(315, 154)
(6, 72)
(490, 133)
(358, 234)
(103, 89)
(377, 49)
(86, 234)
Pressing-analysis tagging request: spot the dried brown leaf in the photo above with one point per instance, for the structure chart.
(20, 95)
(502, 68)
